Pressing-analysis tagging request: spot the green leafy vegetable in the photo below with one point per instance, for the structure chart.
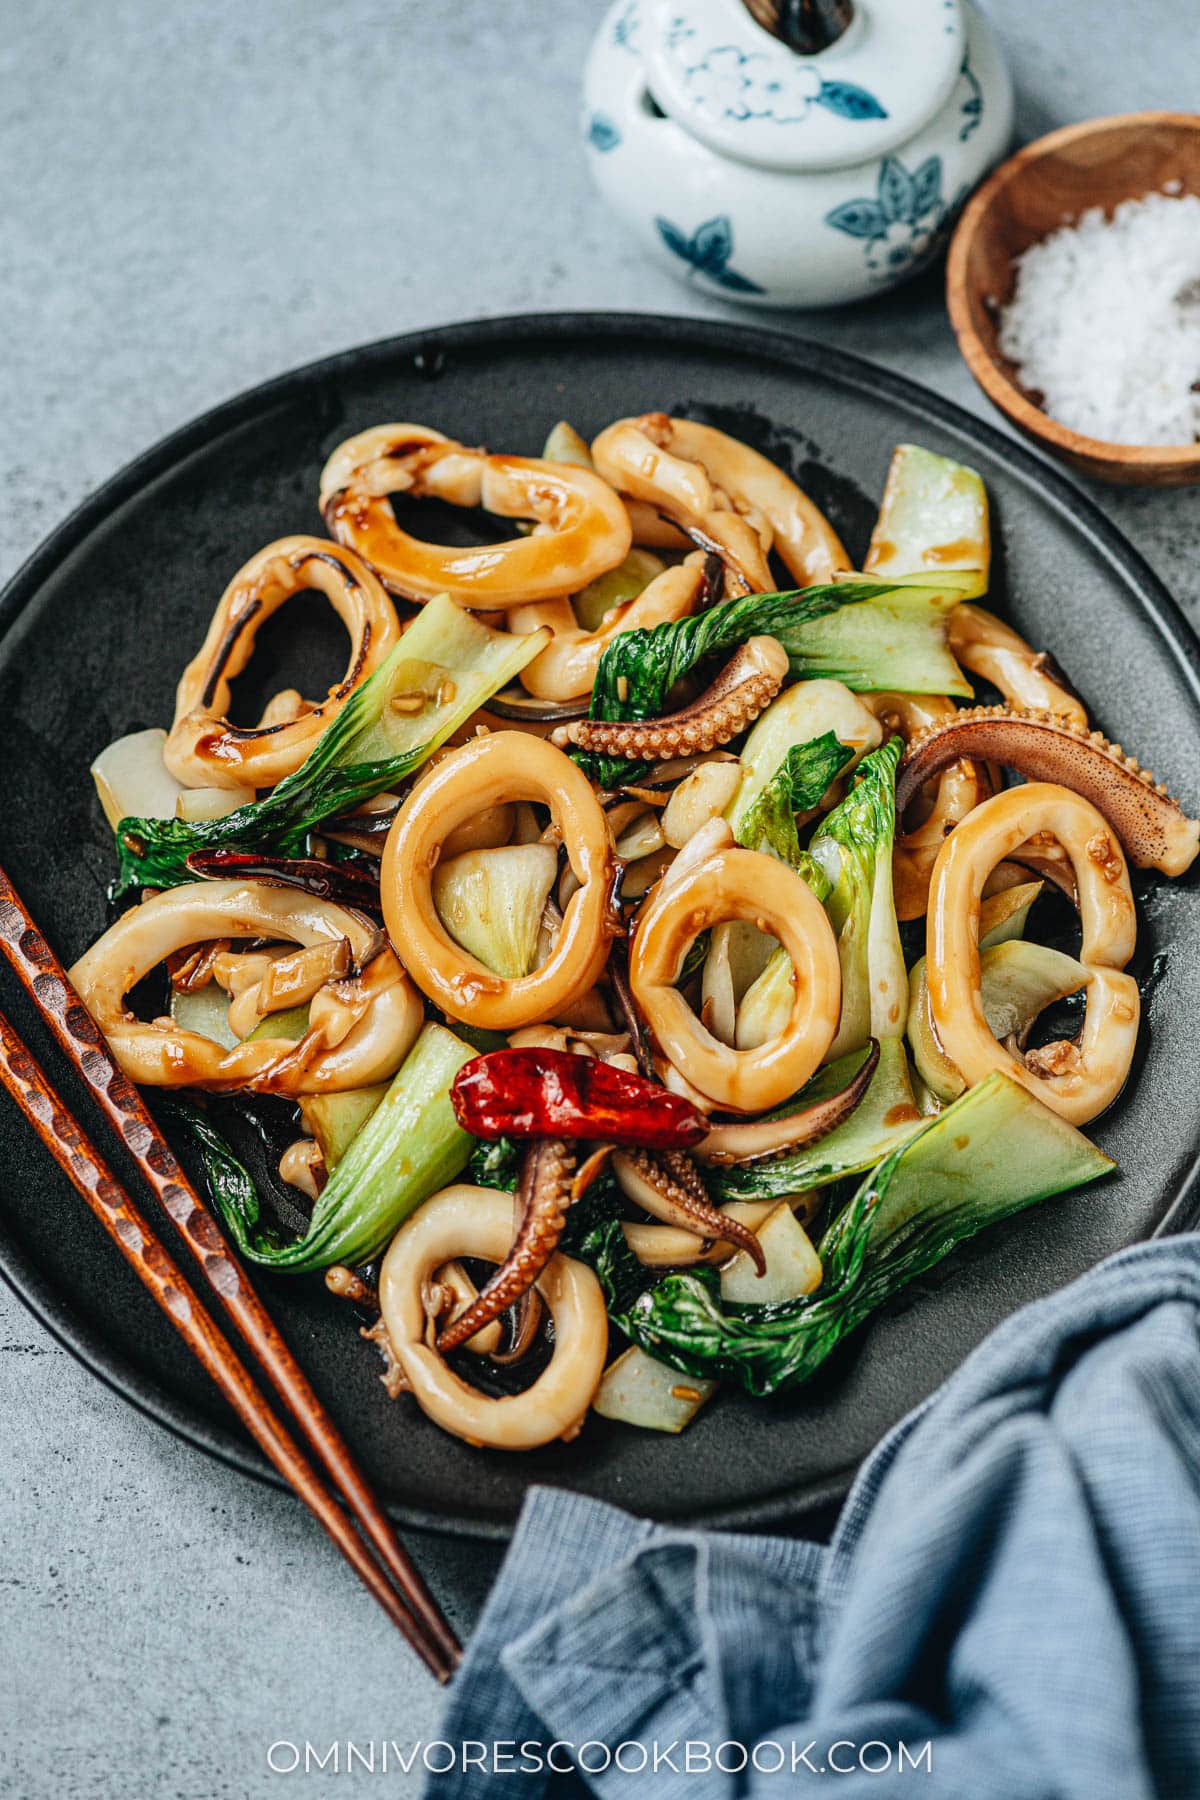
(593, 1234)
(801, 713)
(694, 958)
(651, 660)
(230, 1184)
(630, 578)
(563, 444)
(410, 1146)
(792, 1267)
(495, 1163)
(798, 785)
(956, 1177)
(335, 1120)
(896, 642)
(205, 1010)
(491, 902)
(292, 1023)
(445, 655)
(852, 851)
(636, 1390)
(890, 635)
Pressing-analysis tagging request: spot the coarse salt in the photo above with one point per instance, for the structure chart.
(1104, 322)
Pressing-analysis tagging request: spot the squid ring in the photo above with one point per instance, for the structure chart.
(203, 748)
(472, 1221)
(629, 456)
(583, 528)
(360, 1027)
(960, 788)
(503, 765)
(1078, 1081)
(738, 884)
(567, 667)
(995, 652)
(707, 482)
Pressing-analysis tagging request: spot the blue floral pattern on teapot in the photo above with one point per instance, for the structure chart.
(788, 229)
(731, 84)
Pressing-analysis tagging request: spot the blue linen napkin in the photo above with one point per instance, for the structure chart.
(1012, 1594)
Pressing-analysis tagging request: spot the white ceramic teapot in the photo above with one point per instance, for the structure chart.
(793, 152)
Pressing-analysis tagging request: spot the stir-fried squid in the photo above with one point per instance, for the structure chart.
(950, 797)
(477, 1222)
(591, 999)
(713, 881)
(501, 766)
(203, 747)
(567, 666)
(1076, 1079)
(584, 528)
(722, 495)
(363, 1012)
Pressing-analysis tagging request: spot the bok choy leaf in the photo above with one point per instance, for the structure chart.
(884, 1118)
(446, 660)
(956, 1177)
(798, 785)
(863, 632)
(495, 1163)
(852, 855)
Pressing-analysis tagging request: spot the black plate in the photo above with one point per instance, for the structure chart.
(97, 627)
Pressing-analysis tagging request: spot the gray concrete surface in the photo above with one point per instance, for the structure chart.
(194, 197)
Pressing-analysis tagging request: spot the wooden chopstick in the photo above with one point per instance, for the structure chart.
(45, 981)
(79, 1159)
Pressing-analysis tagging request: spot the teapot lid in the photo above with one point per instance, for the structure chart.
(729, 81)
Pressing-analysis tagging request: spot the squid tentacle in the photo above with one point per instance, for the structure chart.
(1152, 826)
(464, 1221)
(543, 1196)
(746, 685)
(668, 1185)
(765, 1139)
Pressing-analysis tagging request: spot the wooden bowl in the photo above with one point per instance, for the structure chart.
(1045, 185)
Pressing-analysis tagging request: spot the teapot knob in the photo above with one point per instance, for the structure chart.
(806, 26)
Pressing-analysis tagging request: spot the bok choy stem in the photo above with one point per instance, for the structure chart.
(410, 1146)
(853, 846)
(848, 863)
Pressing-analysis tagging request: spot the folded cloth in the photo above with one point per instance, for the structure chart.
(1009, 1607)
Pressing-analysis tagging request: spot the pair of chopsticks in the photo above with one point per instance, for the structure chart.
(373, 1550)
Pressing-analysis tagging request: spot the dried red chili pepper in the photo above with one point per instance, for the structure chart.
(550, 1093)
